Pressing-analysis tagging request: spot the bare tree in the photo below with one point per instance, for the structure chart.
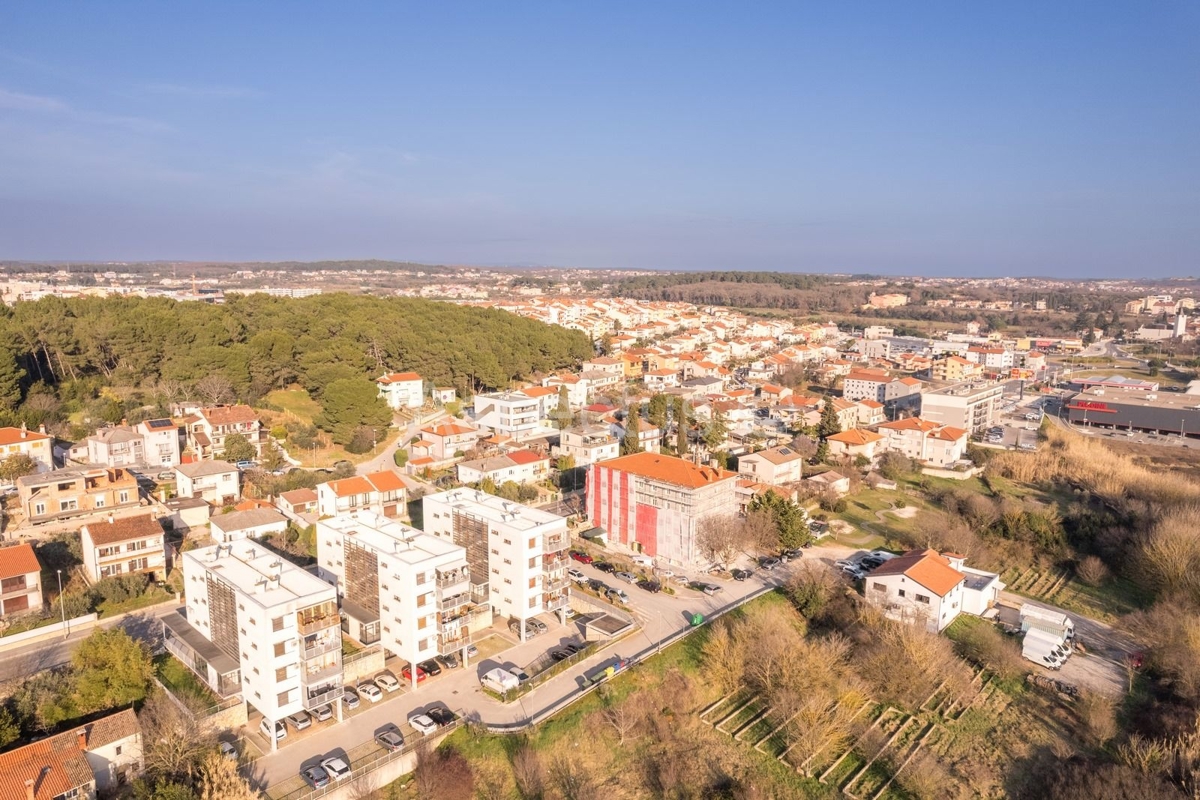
(529, 773)
(724, 657)
(574, 781)
(1092, 571)
(215, 389)
(623, 717)
(1098, 714)
(220, 780)
(442, 773)
(720, 538)
(759, 531)
(174, 745)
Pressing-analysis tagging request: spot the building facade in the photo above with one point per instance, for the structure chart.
(35, 444)
(66, 493)
(216, 482)
(402, 390)
(384, 493)
(974, 407)
(207, 429)
(778, 465)
(20, 580)
(124, 546)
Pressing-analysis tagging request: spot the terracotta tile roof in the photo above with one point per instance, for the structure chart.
(16, 436)
(799, 401)
(298, 497)
(387, 481)
(910, 381)
(877, 376)
(855, 436)
(926, 567)
(123, 529)
(447, 429)
(228, 415)
(910, 424)
(949, 433)
(526, 457)
(667, 469)
(17, 560)
(348, 487)
(539, 391)
(399, 377)
(58, 763)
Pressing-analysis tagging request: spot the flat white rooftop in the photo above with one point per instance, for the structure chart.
(389, 537)
(496, 510)
(262, 576)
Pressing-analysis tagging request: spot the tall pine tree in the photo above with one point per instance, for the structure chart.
(562, 415)
(632, 442)
(830, 424)
(10, 377)
(681, 428)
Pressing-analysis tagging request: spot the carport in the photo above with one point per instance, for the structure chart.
(604, 626)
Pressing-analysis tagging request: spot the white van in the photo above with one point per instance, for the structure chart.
(643, 561)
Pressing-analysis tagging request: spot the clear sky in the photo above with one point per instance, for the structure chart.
(955, 138)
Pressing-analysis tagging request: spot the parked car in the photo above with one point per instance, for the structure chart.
(574, 648)
(422, 724)
(244, 464)
(708, 588)
(518, 673)
(322, 713)
(336, 767)
(300, 720)
(350, 698)
(315, 776)
(431, 666)
(390, 740)
(406, 673)
(628, 577)
(441, 715)
(370, 691)
(581, 557)
(449, 661)
(228, 751)
(387, 681)
(597, 586)
(559, 655)
(471, 651)
(854, 572)
(280, 729)
(789, 554)
(617, 594)
(604, 566)
(576, 575)
(768, 562)
(537, 624)
(530, 629)
(741, 574)
(653, 587)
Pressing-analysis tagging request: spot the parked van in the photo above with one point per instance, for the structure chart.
(643, 561)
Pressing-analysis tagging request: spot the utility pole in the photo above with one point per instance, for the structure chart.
(62, 605)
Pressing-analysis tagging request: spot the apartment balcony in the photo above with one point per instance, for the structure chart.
(319, 624)
(310, 676)
(453, 582)
(321, 698)
(321, 648)
(452, 644)
(554, 602)
(555, 585)
(555, 542)
(455, 601)
(450, 626)
(554, 564)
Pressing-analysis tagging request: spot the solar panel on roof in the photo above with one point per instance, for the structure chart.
(783, 451)
(160, 423)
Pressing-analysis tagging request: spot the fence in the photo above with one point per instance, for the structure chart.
(34, 634)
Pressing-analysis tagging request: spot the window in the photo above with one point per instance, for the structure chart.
(39, 509)
(532, 542)
(421, 600)
(533, 562)
(422, 623)
(879, 587)
(900, 592)
(123, 496)
(533, 601)
(532, 583)
(921, 598)
(99, 502)
(285, 697)
(423, 644)
(68, 505)
(495, 552)
(420, 578)
(277, 624)
(280, 674)
(280, 649)
(119, 748)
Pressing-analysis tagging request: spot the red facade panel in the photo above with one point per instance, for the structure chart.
(647, 528)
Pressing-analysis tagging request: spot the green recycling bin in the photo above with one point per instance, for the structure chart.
(697, 620)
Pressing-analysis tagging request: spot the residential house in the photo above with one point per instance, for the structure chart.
(151, 443)
(588, 444)
(846, 412)
(797, 410)
(208, 428)
(518, 466)
(865, 384)
(441, 395)
(926, 588)
(654, 503)
(297, 501)
(925, 440)
(770, 393)
(402, 390)
(187, 513)
(123, 546)
(517, 554)
(870, 413)
(577, 388)
(513, 414)
(253, 523)
(855, 442)
(408, 590)
(76, 764)
(659, 380)
(831, 480)
(605, 364)
(448, 440)
(75, 492)
(215, 482)
(953, 368)
(20, 580)
(259, 625)
(776, 466)
(384, 493)
(37, 445)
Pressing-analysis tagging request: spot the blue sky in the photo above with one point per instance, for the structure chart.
(946, 138)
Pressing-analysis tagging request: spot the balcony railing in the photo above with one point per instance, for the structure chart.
(322, 647)
(556, 541)
(310, 676)
(324, 698)
(457, 601)
(453, 579)
(319, 624)
(556, 585)
(450, 625)
(554, 602)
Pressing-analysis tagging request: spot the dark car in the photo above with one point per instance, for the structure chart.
(769, 562)
(741, 574)
(604, 566)
(431, 666)
(788, 555)
(390, 740)
(315, 776)
(653, 587)
(441, 715)
(597, 586)
(581, 557)
(449, 661)
(559, 655)
(574, 648)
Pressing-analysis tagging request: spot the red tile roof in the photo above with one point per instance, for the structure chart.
(447, 429)
(855, 437)
(228, 415)
(926, 567)
(16, 436)
(526, 457)
(123, 529)
(18, 560)
(387, 481)
(349, 487)
(399, 377)
(667, 469)
(58, 763)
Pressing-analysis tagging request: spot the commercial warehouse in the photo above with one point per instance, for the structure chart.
(1135, 409)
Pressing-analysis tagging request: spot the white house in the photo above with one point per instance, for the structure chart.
(36, 445)
(253, 523)
(123, 546)
(402, 390)
(519, 466)
(215, 482)
(777, 465)
(924, 440)
(588, 444)
(384, 492)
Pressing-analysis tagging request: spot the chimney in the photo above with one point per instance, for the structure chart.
(111, 519)
(24, 431)
(29, 784)
(82, 739)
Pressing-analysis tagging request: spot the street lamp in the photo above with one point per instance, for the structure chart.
(62, 605)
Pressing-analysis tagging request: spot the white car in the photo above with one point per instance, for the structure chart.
(280, 729)
(422, 724)
(336, 767)
(387, 681)
(854, 572)
(577, 576)
(370, 691)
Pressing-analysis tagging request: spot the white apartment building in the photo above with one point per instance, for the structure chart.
(588, 444)
(517, 554)
(402, 390)
(778, 465)
(865, 385)
(259, 625)
(384, 492)
(971, 406)
(152, 443)
(410, 589)
(878, 332)
(512, 414)
(215, 482)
